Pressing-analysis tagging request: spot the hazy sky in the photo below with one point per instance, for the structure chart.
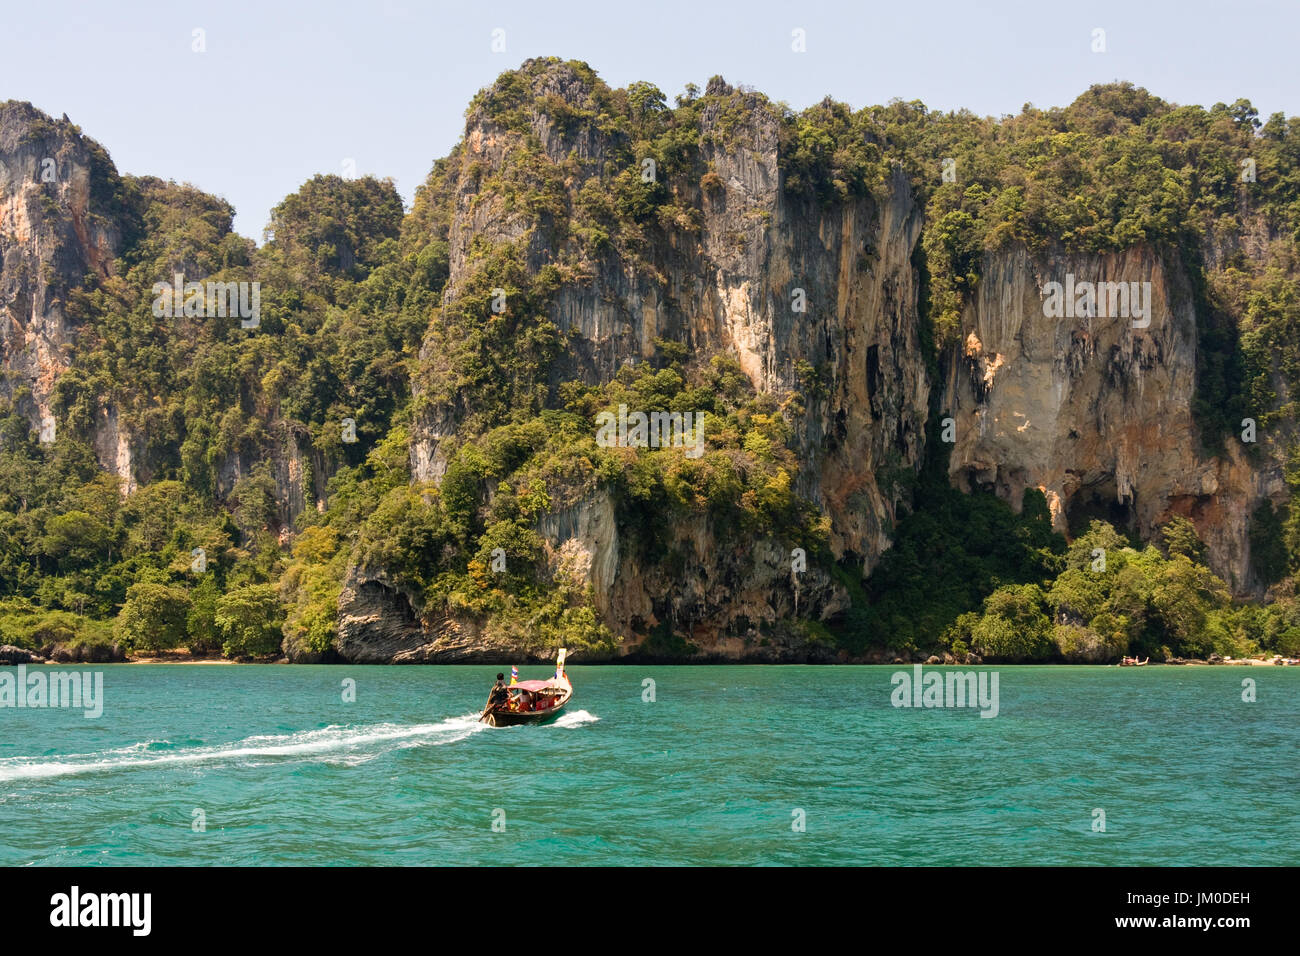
(287, 90)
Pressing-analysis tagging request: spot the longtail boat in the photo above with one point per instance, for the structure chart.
(1133, 662)
(532, 701)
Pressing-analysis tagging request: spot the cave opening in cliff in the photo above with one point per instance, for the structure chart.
(1099, 502)
(873, 372)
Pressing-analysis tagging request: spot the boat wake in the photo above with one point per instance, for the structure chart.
(333, 744)
(576, 719)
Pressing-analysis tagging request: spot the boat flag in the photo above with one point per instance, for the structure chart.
(514, 675)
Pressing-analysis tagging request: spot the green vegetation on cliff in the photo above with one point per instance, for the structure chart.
(255, 503)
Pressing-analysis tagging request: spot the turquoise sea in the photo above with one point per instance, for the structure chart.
(721, 767)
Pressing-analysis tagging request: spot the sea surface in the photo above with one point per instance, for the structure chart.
(740, 765)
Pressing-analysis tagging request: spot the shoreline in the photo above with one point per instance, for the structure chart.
(184, 660)
(17, 655)
(1185, 662)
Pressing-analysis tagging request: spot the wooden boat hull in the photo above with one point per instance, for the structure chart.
(510, 718)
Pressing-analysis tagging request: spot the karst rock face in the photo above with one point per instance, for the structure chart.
(772, 280)
(64, 224)
(1095, 408)
(53, 234)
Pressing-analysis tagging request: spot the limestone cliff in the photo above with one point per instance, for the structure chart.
(55, 230)
(817, 300)
(726, 283)
(1095, 409)
(68, 222)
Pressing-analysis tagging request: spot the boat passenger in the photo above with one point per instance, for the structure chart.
(499, 693)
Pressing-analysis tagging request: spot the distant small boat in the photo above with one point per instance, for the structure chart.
(1133, 662)
(533, 701)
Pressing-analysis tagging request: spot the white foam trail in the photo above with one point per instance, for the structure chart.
(576, 719)
(304, 744)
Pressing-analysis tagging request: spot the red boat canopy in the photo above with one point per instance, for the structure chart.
(533, 685)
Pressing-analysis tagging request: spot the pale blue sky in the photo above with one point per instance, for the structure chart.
(287, 90)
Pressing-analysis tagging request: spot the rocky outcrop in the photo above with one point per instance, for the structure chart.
(377, 622)
(582, 541)
(378, 625)
(85, 653)
(53, 233)
(812, 299)
(63, 225)
(776, 281)
(1093, 407)
(10, 655)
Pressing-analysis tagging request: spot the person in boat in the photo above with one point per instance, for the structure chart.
(499, 694)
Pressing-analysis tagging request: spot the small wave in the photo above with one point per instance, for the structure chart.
(576, 719)
(335, 742)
